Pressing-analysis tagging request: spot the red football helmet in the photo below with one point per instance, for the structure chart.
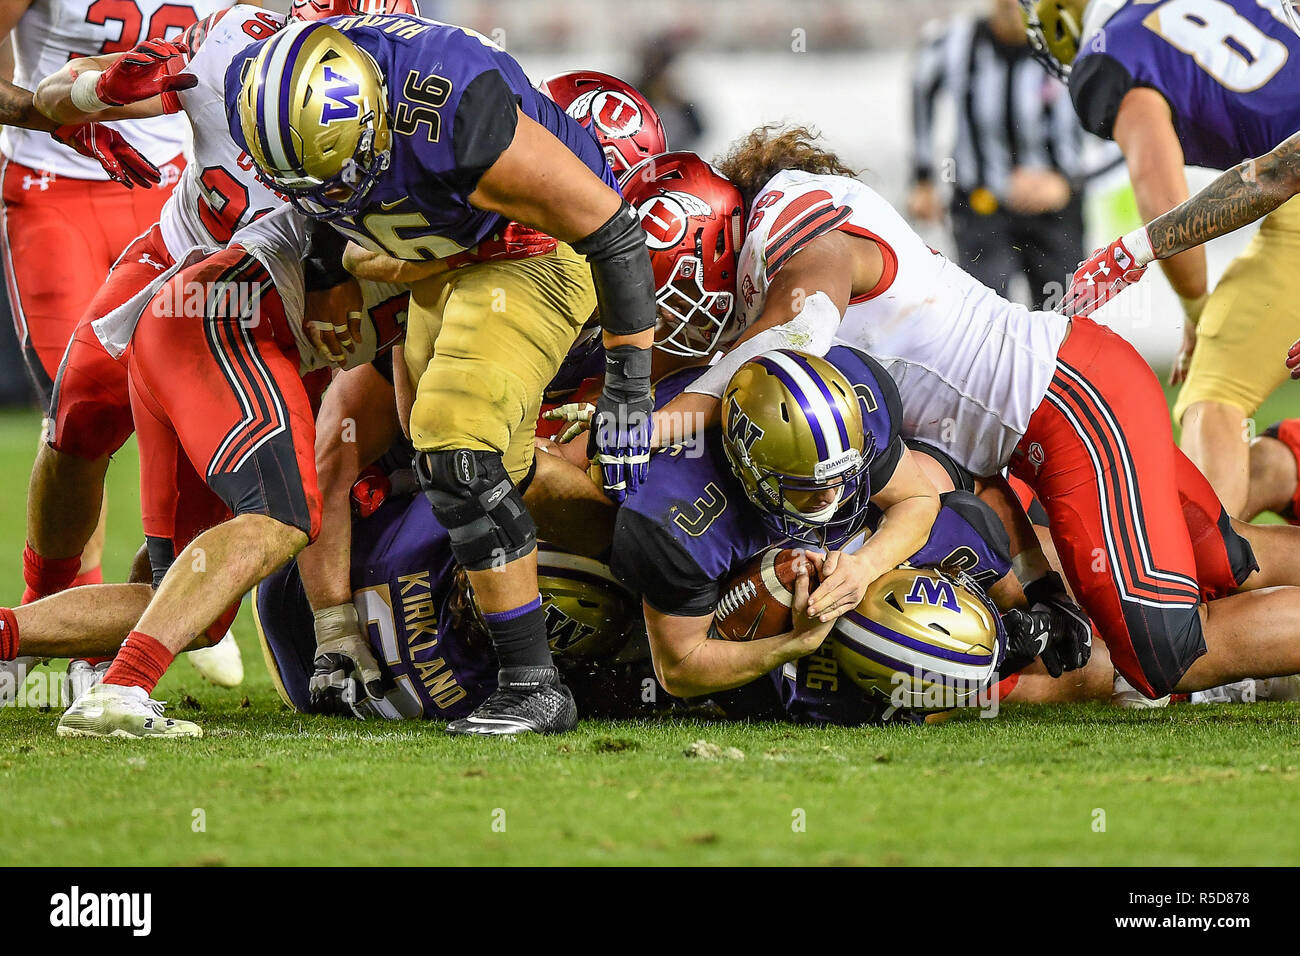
(320, 9)
(623, 120)
(693, 218)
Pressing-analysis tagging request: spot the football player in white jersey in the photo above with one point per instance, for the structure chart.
(90, 413)
(1070, 406)
(61, 207)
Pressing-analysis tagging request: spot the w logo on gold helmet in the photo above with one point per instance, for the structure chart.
(314, 115)
(921, 639)
(792, 431)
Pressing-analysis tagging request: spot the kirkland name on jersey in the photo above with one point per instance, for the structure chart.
(402, 582)
(442, 80)
(218, 192)
(970, 366)
(51, 32)
(1230, 70)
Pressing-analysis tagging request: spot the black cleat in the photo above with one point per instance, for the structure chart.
(528, 700)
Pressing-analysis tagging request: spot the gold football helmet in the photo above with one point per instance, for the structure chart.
(1055, 31)
(921, 639)
(793, 434)
(313, 112)
(589, 614)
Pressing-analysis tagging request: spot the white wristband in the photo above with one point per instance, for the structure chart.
(83, 92)
(1138, 243)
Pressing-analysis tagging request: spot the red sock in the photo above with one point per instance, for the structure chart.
(141, 662)
(8, 634)
(46, 576)
(94, 576)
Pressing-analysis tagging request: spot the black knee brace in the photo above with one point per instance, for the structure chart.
(474, 499)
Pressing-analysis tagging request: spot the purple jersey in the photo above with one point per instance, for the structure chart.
(1229, 69)
(677, 539)
(967, 536)
(452, 100)
(403, 583)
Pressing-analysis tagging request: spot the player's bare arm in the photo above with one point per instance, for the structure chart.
(540, 183)
(689, 662)
(1144, 130)
(18, 108)
(837, 265)
(378, 267)
(54, 95)
(1237, 198)
(909, 503)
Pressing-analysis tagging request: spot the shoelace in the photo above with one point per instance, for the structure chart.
(156, 706)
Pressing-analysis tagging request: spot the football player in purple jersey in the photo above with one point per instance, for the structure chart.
(1203, 83)
(425, 144)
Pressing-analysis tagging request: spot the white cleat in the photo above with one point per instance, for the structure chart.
(83, 675)
(110, 710)
(219, 664)
(1127, 696)
(13, 674)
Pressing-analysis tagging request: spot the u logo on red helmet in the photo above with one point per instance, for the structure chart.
(665, 217)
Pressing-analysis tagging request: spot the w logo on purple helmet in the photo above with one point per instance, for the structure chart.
(340, 96)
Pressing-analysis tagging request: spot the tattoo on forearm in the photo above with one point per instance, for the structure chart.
(18, 109)
(1237, 198)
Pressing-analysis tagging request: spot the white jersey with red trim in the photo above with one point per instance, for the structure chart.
(218, 192)
(51, 32)
(279, 242)
(971, 367)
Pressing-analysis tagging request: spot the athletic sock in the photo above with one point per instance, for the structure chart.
(46, 576)
(94, 576)
(519, 635)
(141, 662)
(8, 634)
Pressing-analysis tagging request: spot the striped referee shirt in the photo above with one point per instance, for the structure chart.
(1010, 111)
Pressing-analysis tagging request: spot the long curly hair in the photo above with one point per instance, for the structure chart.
(768, 150)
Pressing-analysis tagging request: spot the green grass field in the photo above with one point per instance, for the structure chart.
(1071, 785)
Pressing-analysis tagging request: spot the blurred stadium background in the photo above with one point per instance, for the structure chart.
(718, 68)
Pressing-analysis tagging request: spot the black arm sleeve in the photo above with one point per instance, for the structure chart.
(485, 123)
(653, 565)
(620, 267)
(1098, 83)
(322, 266)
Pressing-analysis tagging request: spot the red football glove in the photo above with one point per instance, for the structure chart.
(369, 491)
(152, 68)
(122, 161)
(1105, 274)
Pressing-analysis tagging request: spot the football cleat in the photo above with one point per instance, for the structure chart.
(528, 700)
(219, 664)
(110, 710)
(83, 675)
(1127, 696)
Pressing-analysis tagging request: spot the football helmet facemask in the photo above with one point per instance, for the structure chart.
(313, 110)
(1055, 31)
(693, 218)
(792, 431)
